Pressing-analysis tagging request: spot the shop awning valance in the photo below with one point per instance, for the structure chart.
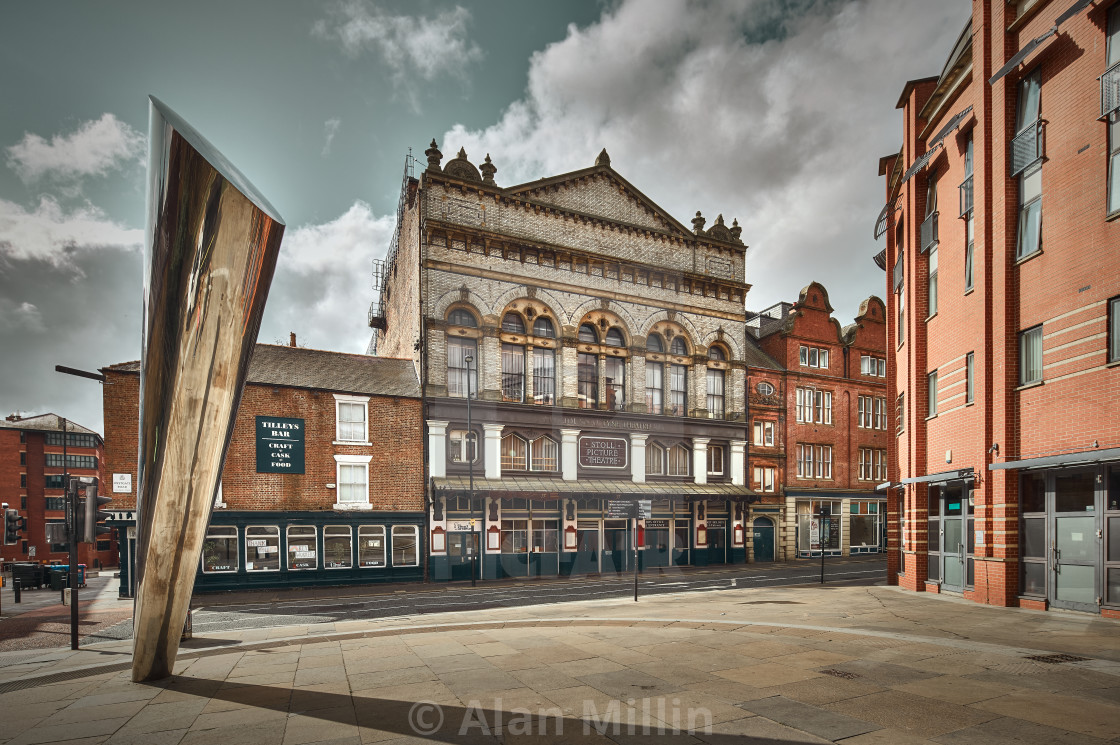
(1087, 457)
(541, 487)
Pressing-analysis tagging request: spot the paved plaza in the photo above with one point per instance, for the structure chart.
(857, 665)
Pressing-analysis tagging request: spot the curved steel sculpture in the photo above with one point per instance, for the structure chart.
(212, 247)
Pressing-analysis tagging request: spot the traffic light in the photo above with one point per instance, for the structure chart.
(13, 524)
(90, 516)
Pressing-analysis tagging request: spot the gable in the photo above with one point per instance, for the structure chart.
(601, 192)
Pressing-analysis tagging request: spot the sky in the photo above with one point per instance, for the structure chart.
(774, 112)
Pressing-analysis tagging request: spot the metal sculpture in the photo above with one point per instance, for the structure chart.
(211, 251)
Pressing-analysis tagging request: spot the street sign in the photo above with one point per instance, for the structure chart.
(620, 508)
(645, 509)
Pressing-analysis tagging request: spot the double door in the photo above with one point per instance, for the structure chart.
(462, 554)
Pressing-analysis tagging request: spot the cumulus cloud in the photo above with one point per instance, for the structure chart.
(55, 234)
(774, 112)
(93, 149)
(409, 45)
(330, 129)
(323, 281)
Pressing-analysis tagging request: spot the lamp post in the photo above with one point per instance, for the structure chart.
(471, 452)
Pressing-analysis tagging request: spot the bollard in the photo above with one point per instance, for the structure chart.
(16, 589)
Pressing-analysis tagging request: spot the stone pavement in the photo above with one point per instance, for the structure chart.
(857, 665)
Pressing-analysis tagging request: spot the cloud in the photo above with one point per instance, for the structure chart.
(54, 234)
(773, 112)
(330, 129)
(322, 282)
(93, 149)
(420, 45)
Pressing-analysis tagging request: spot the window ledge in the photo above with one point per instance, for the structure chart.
(1028, 386)
(931, 416)
(1114, 363)
(970, 403)
(1112, 216)
(352, 507)
(968, 291)
(931, 316)
(356, 443)
(1028, 257)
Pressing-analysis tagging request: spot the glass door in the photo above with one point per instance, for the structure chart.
(1075, 545)
(951, 543)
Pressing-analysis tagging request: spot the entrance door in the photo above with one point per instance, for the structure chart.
(587, 553)
(763, 539)
(460, 554)
(615, 546)
(717, 542)
(1074, 546)
(956, 525)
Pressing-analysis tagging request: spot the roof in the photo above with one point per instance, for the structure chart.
(296, 367)
(755, 357)
(605, 488)
(46, 423)
(769, 321)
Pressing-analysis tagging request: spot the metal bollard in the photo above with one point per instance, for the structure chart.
(16, 589)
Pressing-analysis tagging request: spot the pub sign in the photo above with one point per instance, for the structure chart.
(279, 444)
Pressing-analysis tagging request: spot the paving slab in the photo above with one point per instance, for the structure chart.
(808, 718)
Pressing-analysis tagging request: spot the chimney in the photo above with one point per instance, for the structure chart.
(13, 417)
(292, 343)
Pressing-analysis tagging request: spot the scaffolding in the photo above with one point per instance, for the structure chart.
(384, 268)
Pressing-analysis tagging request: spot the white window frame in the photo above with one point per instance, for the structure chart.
(350, 460)
(340, 399)
(764, 433)
(669, 460)
(462, 445)
(392, 549)
(544, 441)
(384, 545)
(288, 547)
(881, 413)
(507, 458)
(715, 469)
(656, 453)
(764, 478)
(813, 357)
(1030, 342)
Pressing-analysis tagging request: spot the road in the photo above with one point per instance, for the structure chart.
(110, 619)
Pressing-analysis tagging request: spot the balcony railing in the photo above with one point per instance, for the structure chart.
(929, 232)
(966, 196)
(376, 318)
(1026, 148)
(1110, 90)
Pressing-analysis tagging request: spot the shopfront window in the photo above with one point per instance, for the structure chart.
(337, 550)
(515, 536)
(544, 536)
(262, 548)
(219, 550)
(301, 548)
(864, 524)
(405, 546)
(829, 527)
(371, 546)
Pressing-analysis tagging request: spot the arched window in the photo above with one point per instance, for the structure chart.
(765, 389)
(655, 386)
(716, 397)
(588, 334)
(543, 328)
(543, 454)
(678, 346)
(716, 353)
(462, 317)
(654, 343)
(678, 390)
(513, 372)
(462, 367)
(513, 453)
(614, 376)
(655, 460)
(587, 371)
(512, 324)
(678, 460)
(614, 338)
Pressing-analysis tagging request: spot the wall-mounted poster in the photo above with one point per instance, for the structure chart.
(279, 444)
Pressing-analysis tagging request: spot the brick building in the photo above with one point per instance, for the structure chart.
(322, 482)
(1003, 306)
(601, 344)
(33, 463)
(818, 408)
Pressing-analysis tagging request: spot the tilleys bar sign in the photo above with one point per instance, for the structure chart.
(279, 444)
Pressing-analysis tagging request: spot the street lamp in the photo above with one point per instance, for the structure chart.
(471, 452)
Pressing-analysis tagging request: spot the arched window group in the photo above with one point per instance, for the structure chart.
(522, 454)
(666, 379)
(671, 460)
(528, 354)
(614, 367)
(462, 354)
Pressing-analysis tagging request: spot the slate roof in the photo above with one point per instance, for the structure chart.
(755, 357)
(46, 423)
(318, 369)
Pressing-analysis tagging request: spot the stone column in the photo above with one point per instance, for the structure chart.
(738, 462)
(700, 459)
(567, 376)
(492, 451)
(638, 457)
(569, 453)
(489, 368)
(437, 448)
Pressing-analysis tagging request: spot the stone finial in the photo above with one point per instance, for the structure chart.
(698, 223)
(719, 221)
(434, 156)
(488, 170)
(736, 230)
(462, 153)
(603, 159)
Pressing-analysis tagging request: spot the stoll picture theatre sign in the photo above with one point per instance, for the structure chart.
(279, 445)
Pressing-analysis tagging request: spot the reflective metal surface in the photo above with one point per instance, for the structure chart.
(212, 243)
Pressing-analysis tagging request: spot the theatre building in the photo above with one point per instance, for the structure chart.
(321, 485)
(577, 344)
(1003, 286)
(818, 407)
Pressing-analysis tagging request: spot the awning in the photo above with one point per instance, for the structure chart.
(539, 487)
(1085, 457)
(961, 473)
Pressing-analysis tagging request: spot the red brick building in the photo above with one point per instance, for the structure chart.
(323, 481)
(1003, 288)
(32, 470)
(818, 407)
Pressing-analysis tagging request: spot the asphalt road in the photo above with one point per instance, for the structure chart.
(217, 613)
